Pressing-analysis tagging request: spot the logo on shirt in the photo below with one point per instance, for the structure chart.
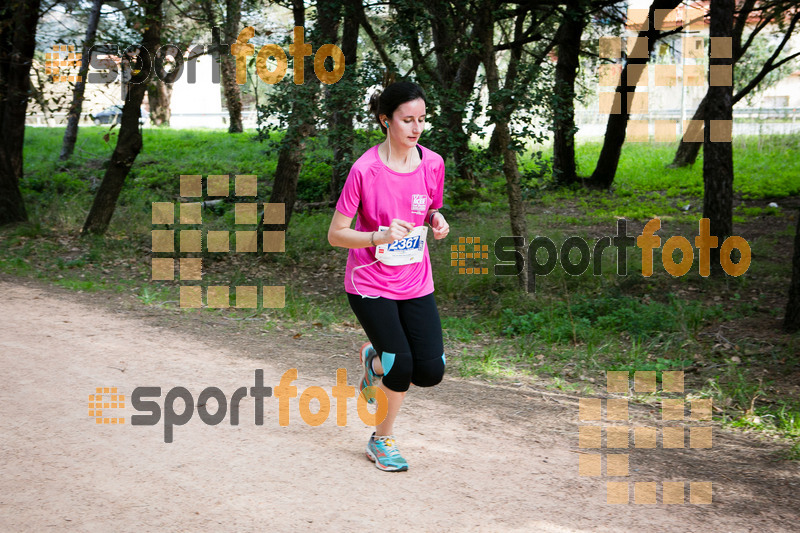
(419, 203)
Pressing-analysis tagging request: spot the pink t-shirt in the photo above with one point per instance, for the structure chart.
(378, 194)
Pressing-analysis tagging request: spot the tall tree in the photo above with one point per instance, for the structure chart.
(233, 96)
(75, 108)
(500, 116)
(129, 143)
(231, 20)
(506, 100)
(778, 14)
(606, 168)
(291, 153)
(718, 161)
(342, 98)
(18, 20)
(159, 96)
(568, 42)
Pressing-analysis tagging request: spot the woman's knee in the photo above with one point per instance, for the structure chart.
(429, 372)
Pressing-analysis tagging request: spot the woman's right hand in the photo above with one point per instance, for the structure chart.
(398, 229)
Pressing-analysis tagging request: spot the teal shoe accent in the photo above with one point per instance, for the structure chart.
(384, 453)
(444, 360)
(370, 379)
(387, 361)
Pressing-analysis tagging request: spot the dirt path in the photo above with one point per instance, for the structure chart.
(482, 457)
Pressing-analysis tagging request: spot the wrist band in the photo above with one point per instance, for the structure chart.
(372, 238)
(430, 219)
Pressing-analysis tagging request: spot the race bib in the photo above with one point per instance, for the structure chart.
(403, 251)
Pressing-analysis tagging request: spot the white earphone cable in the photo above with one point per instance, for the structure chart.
(352, 279)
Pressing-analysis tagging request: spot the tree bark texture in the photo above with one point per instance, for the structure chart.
(18, 22)
(569, 44)
(129, 143)
(342, 103)
(159, 95)
(233, 95)
(291, 153)
(718, 158)
(76, 107)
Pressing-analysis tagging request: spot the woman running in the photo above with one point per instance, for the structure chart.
(396, 185)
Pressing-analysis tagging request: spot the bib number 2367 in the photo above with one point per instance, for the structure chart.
(403, 251)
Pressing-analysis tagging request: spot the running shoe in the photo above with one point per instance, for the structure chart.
(384, 453)
(370, 379)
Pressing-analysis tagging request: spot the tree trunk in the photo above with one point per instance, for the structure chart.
(17, 42)
(687, 152)
(791, 321)
(129, 143)
(718, 154)
(291, 153)
(75, 108)
(501, 113)
(233, 95)
(159, 95)
(227, 63)
(493, 148)
(569, 44)
(516, 206)
(342, 103)
(606, 169)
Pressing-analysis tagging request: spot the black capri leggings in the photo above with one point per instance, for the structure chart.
(408, 336)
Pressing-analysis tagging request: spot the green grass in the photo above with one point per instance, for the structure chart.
(751, 406)
(765, 167)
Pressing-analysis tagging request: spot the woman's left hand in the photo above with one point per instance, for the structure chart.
(440, 226)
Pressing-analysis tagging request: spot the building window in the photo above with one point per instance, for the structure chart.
(776, 101)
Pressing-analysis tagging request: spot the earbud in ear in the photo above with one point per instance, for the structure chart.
(386, 122)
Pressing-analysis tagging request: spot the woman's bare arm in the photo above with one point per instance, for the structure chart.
(341, 234)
